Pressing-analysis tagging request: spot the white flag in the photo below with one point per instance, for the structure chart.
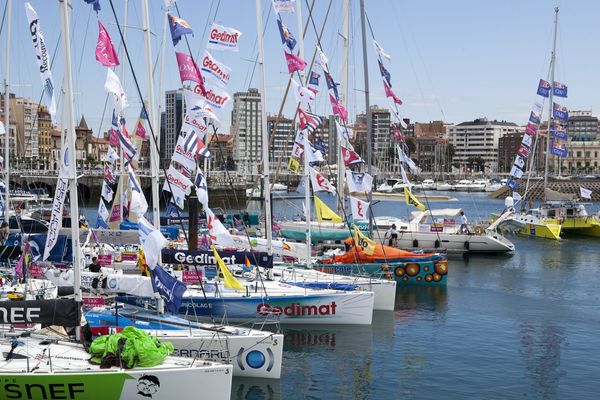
(303, 95)
(2, 129)
(313, 154)
(359, 209)
(344, 135)
(284, 6)
(319, 182)
(585, 193)
(169, 3)
(215, 70)
(223, 38)
(138, 205)
(152, 241)
(297, 150)
(516, 196)
(103, 212)
(405, 158)
(113, 86)
(182, 155)
(358, 182)
(41, 53)
(380, 50)
(520, 162)
(516, 172)
(218, 234)
(201, 189)
(178, 184)
(537, 108)
(322, 59)
(215, 96)
(404, 176)
(111, 155)
(60, 193)
(107, 192)
(526, 140)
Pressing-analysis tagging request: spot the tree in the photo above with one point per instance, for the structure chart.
(411, 144)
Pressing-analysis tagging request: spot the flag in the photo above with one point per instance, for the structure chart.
(223, 38)
(350, 157)
(201, 189)
(169, 288)
(324, 213)
(358, 182)
(359, 209)
(520, 162)
(215, 96)
(314, 155)
(129, 149)
(102, 218)
(411, 200)
(535, 118)
(308, 121)
(516, 172)
(511, 183)
(193, 144)
(41, 54)
(109, 175)
(105, 50)
(113, 135)
(531, 129)
(152, 241)
(332, 86)
(111, 155)
(55, 223)
(302, 94)
(526, 140)
(95, 4)
(287, 39)
(523, 151)
(543, 88)
(215, 70)
(294, 63)
(322, 60)
(560, 89)
(585, 193)
(385, 74)
(284, 6)
(338, 108)
(218, 234)
(228, 278)
(113, 86)
(172, 211)
(320, 145)
(140, 131)
(390, 93)
(188, 70)
(560, 112)
(197, 108)
(397, 134)
(558, 149)
(169, 3)
(293, 165)
(367, 245)
(138, 205)
(344, 135)
(247, 266)
(380, 50)
(537, 108)
(516, 196)
(183, 156)
(107, 192)
(178, 184)
(319, 182)
(403, 174)
(559, 132)
(406, 159)
(297, 150)
(313, 82)
(178, 27)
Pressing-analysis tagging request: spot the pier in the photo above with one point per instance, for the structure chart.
(536, 188)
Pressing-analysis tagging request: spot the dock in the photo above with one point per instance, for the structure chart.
(536, 188)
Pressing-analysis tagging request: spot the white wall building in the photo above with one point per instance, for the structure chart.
(246, 129)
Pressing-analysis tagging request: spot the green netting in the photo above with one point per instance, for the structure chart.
(138, 349)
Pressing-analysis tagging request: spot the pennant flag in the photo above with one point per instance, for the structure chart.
(516, 196)
(411, 200)
(223, 38)
(178, 28)
(105, 50)
(302, 94)
(228, 278)
(107, 192)
(294, 63)
(169, 288)
(332, 86)
(188, 70)
(138, 205)
(385, 74)
(526, 140)
(559, 132)
(390, 93)
(218, 234)
(95, 4)
(152, 241)
(520, 162)
(585, 193)
(293, 165)
(201, 189)
(543, 88)
(324, 213)
(350, 157)
(113, 86)
(102, 217)
(322, 60)
(338, 108)
(319, 182)
(308, 121)
(367, 245)
(358, 182)
(178, 184)
(380, 50)
(284, 6)
(313, 82)
(111, 155)
(560, 112)
(41, 54)
(215, 70)
(560, 89)
(55, 223)
(516, 172)
(359, 209)
(287, 39)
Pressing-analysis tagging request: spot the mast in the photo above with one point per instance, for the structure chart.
(152, 118)
(345, 58)
(550, 98)
(265, 135)
(367, 105)
(69, 125)
(160, 73)
(7, 113)
(121, 169)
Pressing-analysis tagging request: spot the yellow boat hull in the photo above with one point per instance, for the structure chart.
(588, 226)
(546, 230)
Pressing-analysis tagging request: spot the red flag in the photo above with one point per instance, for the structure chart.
(338, 108)
(140, 130)
(189, 71)
(390, 93)
(113, 138)
(105, 50)
(350, 157)
(294, 62)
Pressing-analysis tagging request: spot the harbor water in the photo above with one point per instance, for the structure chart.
(506, 327)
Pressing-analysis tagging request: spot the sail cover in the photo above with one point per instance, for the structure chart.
(64, 312)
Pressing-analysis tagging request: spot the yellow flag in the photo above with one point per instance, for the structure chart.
(411, 200)
(324, 213)
(361, 240)
(293, 165)
(228, 278)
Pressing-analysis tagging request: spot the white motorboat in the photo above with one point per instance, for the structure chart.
(467, 185)
(256, 192)
(387, 186)
(444, 186)
(427, 184)
(479, 185)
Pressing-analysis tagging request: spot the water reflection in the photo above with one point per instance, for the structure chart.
(256, 389)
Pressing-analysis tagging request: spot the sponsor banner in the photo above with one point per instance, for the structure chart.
(201, 258)
(560, 112)
(64, 312)
(214, 95)
(188, 70)
(215, 70)
(91, 302)
(105, 259)
(192, 276)
(183, 156)
(560, 89)
(129, 256)
(223, 38)
(543, 88)
(62, 187)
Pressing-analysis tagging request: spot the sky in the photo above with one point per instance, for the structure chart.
(450, 60)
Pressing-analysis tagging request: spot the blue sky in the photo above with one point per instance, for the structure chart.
(452, 61)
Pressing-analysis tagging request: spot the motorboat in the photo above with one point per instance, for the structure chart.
(464, 185)
(445, 186)
(256, 191)
(386, 187)
(427, 184)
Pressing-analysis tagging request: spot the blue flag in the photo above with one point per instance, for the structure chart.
(560, 112)
(172, 210)
(314, 79)
(332, 86)
(178, 28)
(543, 88)
(512, 184)
(168, 287)
(287, 39)
(95, 3)
(560, 89)
(320, 145)
(385, 73)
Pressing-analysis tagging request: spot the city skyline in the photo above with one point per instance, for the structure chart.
(445, 72)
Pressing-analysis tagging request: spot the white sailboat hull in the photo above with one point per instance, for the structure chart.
(484, 243)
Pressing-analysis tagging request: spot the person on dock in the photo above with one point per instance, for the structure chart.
(393, 236)
(464, 224)
(94, 266)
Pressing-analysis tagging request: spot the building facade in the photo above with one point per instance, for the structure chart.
(173, 117)
(281, 138)
(44, 138)
(583, 158)
(246, 129)
(582, 126)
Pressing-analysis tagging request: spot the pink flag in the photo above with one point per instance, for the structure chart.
(390, 93)
(140, 130)
(294, 62)
(105, 50)
(338, 108)
(113, 138)
(531, 129)
(188, 70)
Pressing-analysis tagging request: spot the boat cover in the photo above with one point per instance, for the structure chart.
(382, 253)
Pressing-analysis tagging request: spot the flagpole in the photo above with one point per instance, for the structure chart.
(341, 169)
(265, 136)
(551, 99)
(121, 169)
(151, 117)
(69, 125)
(367, 106)
(7, 113)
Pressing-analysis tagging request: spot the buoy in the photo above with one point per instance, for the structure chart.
(478, 230)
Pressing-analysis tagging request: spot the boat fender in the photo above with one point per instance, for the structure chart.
(415, 243)
(466, 245)
(385, 267)
(437, 243)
